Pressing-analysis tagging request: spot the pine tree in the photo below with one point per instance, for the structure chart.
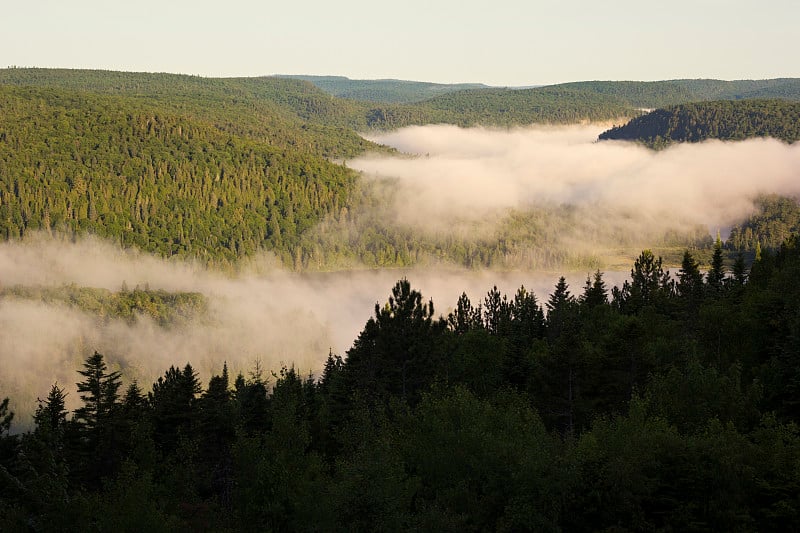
(100, 393)
(97, 427)
(716, 274)
(51, 414)
(594, 292)
(690, 281)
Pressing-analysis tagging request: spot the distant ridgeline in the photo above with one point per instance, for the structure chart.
(295, 112)
(724, 119)
(385, 91)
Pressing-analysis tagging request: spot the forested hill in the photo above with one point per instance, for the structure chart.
(726, 120)
(512, 107)
(650, 94)
(129, 170)
(293, 112)
(385, 91)
(285, 113)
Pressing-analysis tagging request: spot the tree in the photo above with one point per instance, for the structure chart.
(96, 427)
(394, 354)
(51, 415)
(716, 274)
(100, 393)
(465, 318)
(690, 281)
(173, 401)
(649, 283)
(594, 292)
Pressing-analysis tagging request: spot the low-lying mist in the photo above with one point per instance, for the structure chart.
(261, 314)
(619, 188)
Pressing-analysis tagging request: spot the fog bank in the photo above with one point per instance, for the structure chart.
(263, 314)
(475, 172)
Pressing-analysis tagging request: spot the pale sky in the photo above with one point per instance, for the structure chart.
(498, 42)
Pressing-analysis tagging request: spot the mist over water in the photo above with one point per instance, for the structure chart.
(265, 314)
(262, 314)
(472, 172)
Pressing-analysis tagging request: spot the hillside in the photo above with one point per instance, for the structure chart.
(725, 120)
(130, 171)
(293, 112)
(651, 94)
(383, 91)
(776, 218)
(285, 113)
(503, 108)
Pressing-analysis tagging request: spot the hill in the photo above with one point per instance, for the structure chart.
(293, 112)
(725, 120)
(131, 171)
(282, 112)
(651, 94)
(383, 91)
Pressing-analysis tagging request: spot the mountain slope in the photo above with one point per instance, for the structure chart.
(170, 184)
(725, 120)
(383, 91)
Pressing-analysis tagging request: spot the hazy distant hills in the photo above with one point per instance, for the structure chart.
(651, 94)
(722, 119)
(385, 91)
(295, 112)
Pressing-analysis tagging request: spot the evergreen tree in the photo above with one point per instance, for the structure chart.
(96, 422)
(716, 274)
(465, 318)
(595, 292)
(690, 281)
(174, 408)
(51, 414)
(100, 393)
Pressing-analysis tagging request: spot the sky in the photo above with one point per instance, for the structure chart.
(503, 42)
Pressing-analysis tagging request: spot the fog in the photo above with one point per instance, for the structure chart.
(262, 314)
(469, 174)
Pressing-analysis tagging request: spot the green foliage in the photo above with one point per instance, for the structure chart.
(81, 163)
(725, 120)
(165, 308)
(776, 218)
(672, 407)
(383, 91)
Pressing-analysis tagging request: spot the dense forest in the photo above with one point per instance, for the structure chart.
(669, 403)
(167, 309)
(650, 94)
(384, 91)
(176, 182)
(79, 162)
(775, 219)
(725, 120)
(274, 107)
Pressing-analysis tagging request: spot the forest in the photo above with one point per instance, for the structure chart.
(197, 183)
(667, 403)
(726, 120)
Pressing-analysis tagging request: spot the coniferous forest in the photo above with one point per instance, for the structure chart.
(669, 403)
